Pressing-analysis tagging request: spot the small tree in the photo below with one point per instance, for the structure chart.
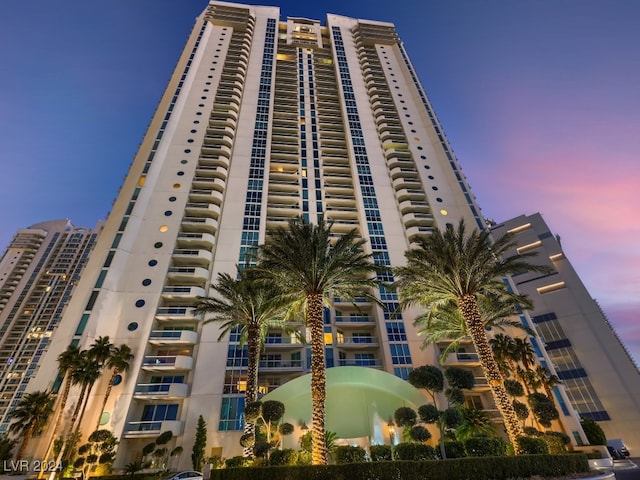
(543, 409)
(199, 445)
(593, 431)
(98, 454)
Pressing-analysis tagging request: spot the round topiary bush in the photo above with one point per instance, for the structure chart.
(484, 446)
(454, 449)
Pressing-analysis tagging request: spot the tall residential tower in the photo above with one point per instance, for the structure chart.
(38, 273)
(263, 120)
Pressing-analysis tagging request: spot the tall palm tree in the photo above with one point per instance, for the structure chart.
(542, 377)
(313, 267)
(456, 268)
(67, 362)
(253, 307)
(85, 375)
(448, 324)
(100, 350)
(30, 417)
(502, 346)
(118, 362)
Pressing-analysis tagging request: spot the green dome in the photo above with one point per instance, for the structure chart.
(360, 401)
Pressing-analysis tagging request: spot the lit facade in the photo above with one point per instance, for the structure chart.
(263, 120)
(600, 378)
(38, 273)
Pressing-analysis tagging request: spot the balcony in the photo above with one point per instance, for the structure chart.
(152, 429)
(360, 362)
(462, 359)
(354, 321)
(175, 314)
(203, 225)
(275, 366)
(161, 391)
(188, 275)
(199, 257)
(173, 337)
(282, 343)
(358, 343)
(182, 292)
(167, 363)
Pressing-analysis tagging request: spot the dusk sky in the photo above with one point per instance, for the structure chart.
(539, 99)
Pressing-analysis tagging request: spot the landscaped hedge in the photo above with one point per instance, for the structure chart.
(480, 468)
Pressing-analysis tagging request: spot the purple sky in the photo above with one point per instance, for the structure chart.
(540, 101)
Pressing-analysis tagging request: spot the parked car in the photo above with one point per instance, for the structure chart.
(186, 475)
(619, 445)
(615, 454)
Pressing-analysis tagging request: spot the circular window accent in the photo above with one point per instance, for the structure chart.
(427, 167)
(146, 282)
(152, 263)
(203, 98)
(205, 90)
(172, 199)
(176, 185)
(207, 83)
(158, 245)
(187, 150)
(180, 173)
(420, 148)
(106, 416)
(423, 157)
(163, 228)
(193, 131)
(168, 213)
(431, 177)
(190, 140)
(198, 113)
(140, 303)
(439, 200)
(132, 327)
(117, 380)
(410, 123)
(201, 105)
(444, 212)
(183, 162)
(434, 188)
(413, 131)
(196, 121)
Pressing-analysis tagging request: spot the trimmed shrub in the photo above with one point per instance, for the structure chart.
(532, 445)
(593, 431)
(555, 444)
(380, 453)
(419, 433)
(484, 446)
(286, 456)
(454, 449)
(234, 462)
(413, 451)
(348, 454)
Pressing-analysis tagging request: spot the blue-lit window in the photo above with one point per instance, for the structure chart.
(160, 412)
(231, 414)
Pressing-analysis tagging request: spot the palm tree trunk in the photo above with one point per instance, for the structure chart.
(66, 446)
(59, 415)
(318, 379)
(468, 305)
(251, 393)
(25, 440)
(106, 395)
(84, 408)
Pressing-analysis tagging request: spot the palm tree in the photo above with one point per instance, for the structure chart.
(456, 268)
(447, 324)
(313, 267)
(118, 362)
(85, 374)
(30, 417)
(253, 307)
(474, 422)
(100, 350)
(67, 362)
(542, 377)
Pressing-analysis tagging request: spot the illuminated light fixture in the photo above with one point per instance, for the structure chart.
(164, 228)
(556, 257)
(519, 229)
(444, 212)
(551, 288)
(141, 180)
(530, 246)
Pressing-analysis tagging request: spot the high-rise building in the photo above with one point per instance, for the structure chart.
(263, 120)
(600, 377)
(38, 272)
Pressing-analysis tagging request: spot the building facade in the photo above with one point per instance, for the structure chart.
(263, 120)
(600, 378)
(38, 273)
